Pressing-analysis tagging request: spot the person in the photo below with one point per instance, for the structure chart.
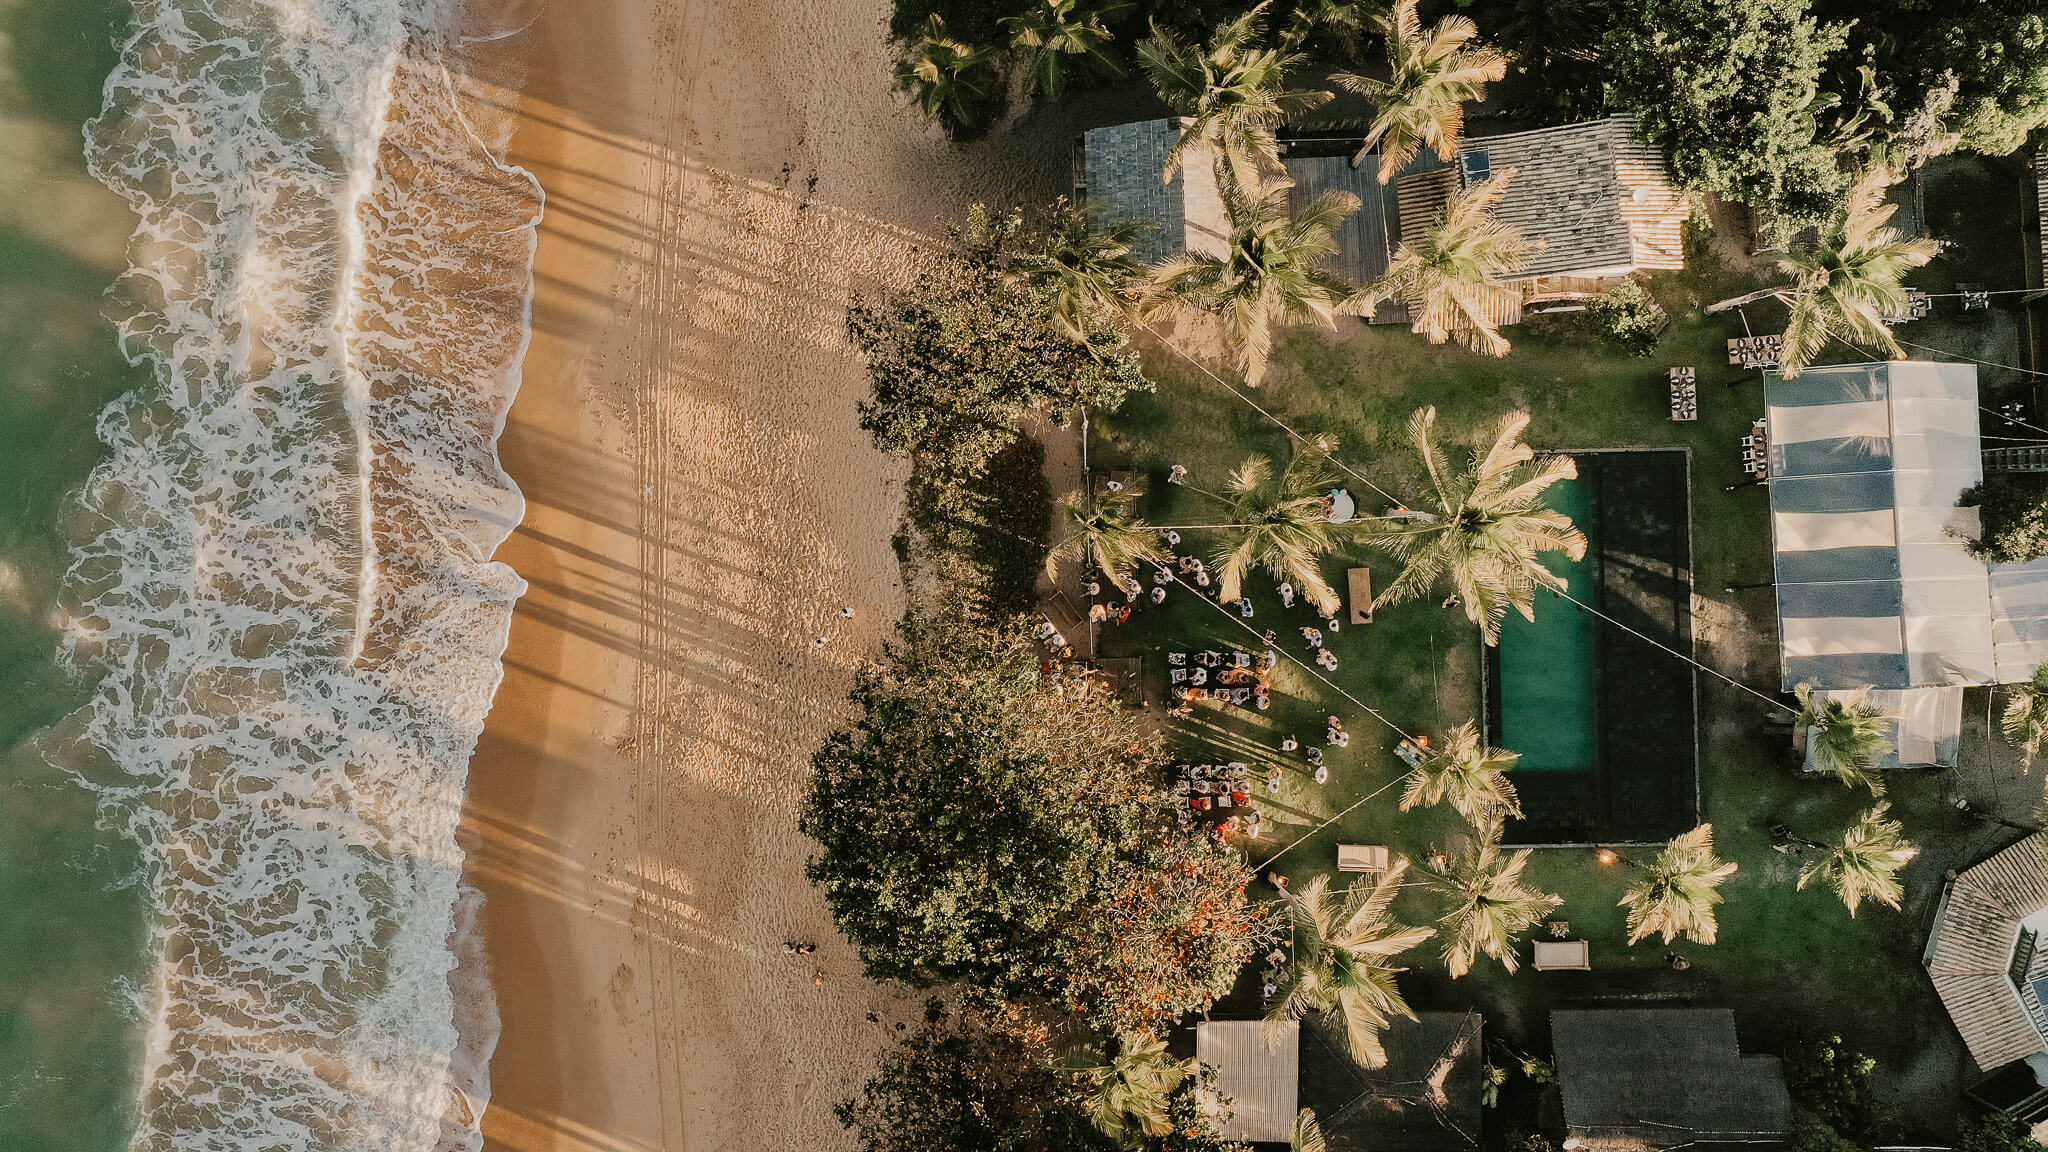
(1098, 612)
(1113, 485)
(1159, 594)
(1177, 475)
(1334, 730)
(1273, 777)
(1335, 722)
(846, 613)
(1452, 601)
(1270, 638)
(1187, 563)
(1124, 613)
(1313, 636)
(1094, 587)
(1244, 607)
(1322, 773)
(1262, 700)
(1162, 575)
(1315, 756)
(1288, 745)
(1058, 641)
(1330, 623)
(1201, 574)
(1342, 739)
(1286, 595)
(818, 643)
(1327, 659)
(1046, 631)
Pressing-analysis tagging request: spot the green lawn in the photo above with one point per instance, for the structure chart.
(1788, 962)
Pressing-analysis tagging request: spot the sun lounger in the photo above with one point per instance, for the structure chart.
(1563, 956)
(1362, 858)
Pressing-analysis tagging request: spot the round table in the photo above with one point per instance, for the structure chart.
(1342, 507)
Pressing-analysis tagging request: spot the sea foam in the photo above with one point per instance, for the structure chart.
(288, 597)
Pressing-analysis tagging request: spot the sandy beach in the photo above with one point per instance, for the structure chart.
(701, 507)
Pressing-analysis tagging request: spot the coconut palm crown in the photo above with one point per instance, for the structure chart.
(1487, 905)
(1106, 529)
(954, 83)
(1233, 95)
(1129, 1101)
(1278, 523)
(1086, 264)
(1467, 774)
(1865, 865)
(1450, 276)
(1676, 894)
(1847, 737)
(1488, 529)
(1308, 1133)
(1422, 103)
(1846, 279)
(2025, 721)
(1271, 273)
(1064, 34)
(1340, 963)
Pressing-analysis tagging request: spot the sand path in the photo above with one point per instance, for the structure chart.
(702, 504)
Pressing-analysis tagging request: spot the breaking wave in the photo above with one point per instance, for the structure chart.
(286, 593)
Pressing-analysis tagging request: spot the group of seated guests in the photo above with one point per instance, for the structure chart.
(1227, 677)
(1217, 788)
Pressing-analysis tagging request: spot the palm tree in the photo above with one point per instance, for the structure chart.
(1465, 772)
(1130, 1098)
(1488, 903)
(1867, 861)
(1106, 529)
(1847, 737)
(1339, 967)
(1233, 95)
(1676, 895)
(1450, 276)
(1271, 274)
(1061, 33)
(1846, 279)
(1423, 101)
(1087, 267)
(1308, 1134)
(2025, 722)
(954, 83)
(1487, 530)
(1278, 523)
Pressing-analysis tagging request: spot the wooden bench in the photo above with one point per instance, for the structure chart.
(1360, 581)
(1563, 956)
(1362, 858)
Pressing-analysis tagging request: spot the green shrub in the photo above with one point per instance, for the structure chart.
(2014, 511)
(1995, 1132)
(1627, 316)
(1834, 1082)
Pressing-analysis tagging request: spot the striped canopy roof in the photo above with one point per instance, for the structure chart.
(1874, 585)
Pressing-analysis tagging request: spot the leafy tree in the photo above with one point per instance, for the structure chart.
(1278, 524)
(1729, 90)
(1471, 776)
(1628, 316)
(1866, 863)
(1846, 279)
(958, 358)
(964, 1087)
(1271, 275)
(1339, 967)
(1234, 94)
(974, 811)
(2025, 722)
(1063, 34)
(1086, 266)
(1675, 896)
(1106, 529)
(1849, 736)
(1450, 275)
(1422, 103)
(1488, 528)
(1132, 1091)
(2012, 509)
(1810, 1133)
(1837, 1085)
(1487, 904)
(956, 84)
(1995, 1132)
(1983, 65)
(986, 541)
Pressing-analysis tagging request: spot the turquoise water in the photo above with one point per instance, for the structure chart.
(71, 930)
(1549, 673)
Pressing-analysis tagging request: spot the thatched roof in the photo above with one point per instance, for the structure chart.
(1659, 1078)
(1970, 954)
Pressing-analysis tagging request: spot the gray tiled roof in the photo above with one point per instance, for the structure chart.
(1362, 238)
(1123, 165)
(1658, 1078)
(1970, 953)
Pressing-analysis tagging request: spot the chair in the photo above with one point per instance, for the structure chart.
(1176, 658)
(1241, 659)
(1176, 675)
(1362, 858)
(1563, 956)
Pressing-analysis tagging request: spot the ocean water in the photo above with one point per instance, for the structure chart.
(257, 580)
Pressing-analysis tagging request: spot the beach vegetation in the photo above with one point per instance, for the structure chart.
(957, 359)
(985, 542)
(2025, 720)
(1865, 864)
(1467, 774)
(1270, 275)
(1085, 263)
(1488, 529)
(1487, 906)
(1450, 276)
(1060, 37)
(1847, 737)
(1421, 104)
(957, 84)
(1278, 522)
(1846, 277)
(1675, 894)
(1340, 966)
(1233, 94)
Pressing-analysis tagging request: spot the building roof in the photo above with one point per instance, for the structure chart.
(1426, 1098)
(1123, 166)
(1659, 1078)
(1875, 586)
(2041, 195)
(1362, 250)
(1598, 198)
(1258, 1069)
(1972, 954)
